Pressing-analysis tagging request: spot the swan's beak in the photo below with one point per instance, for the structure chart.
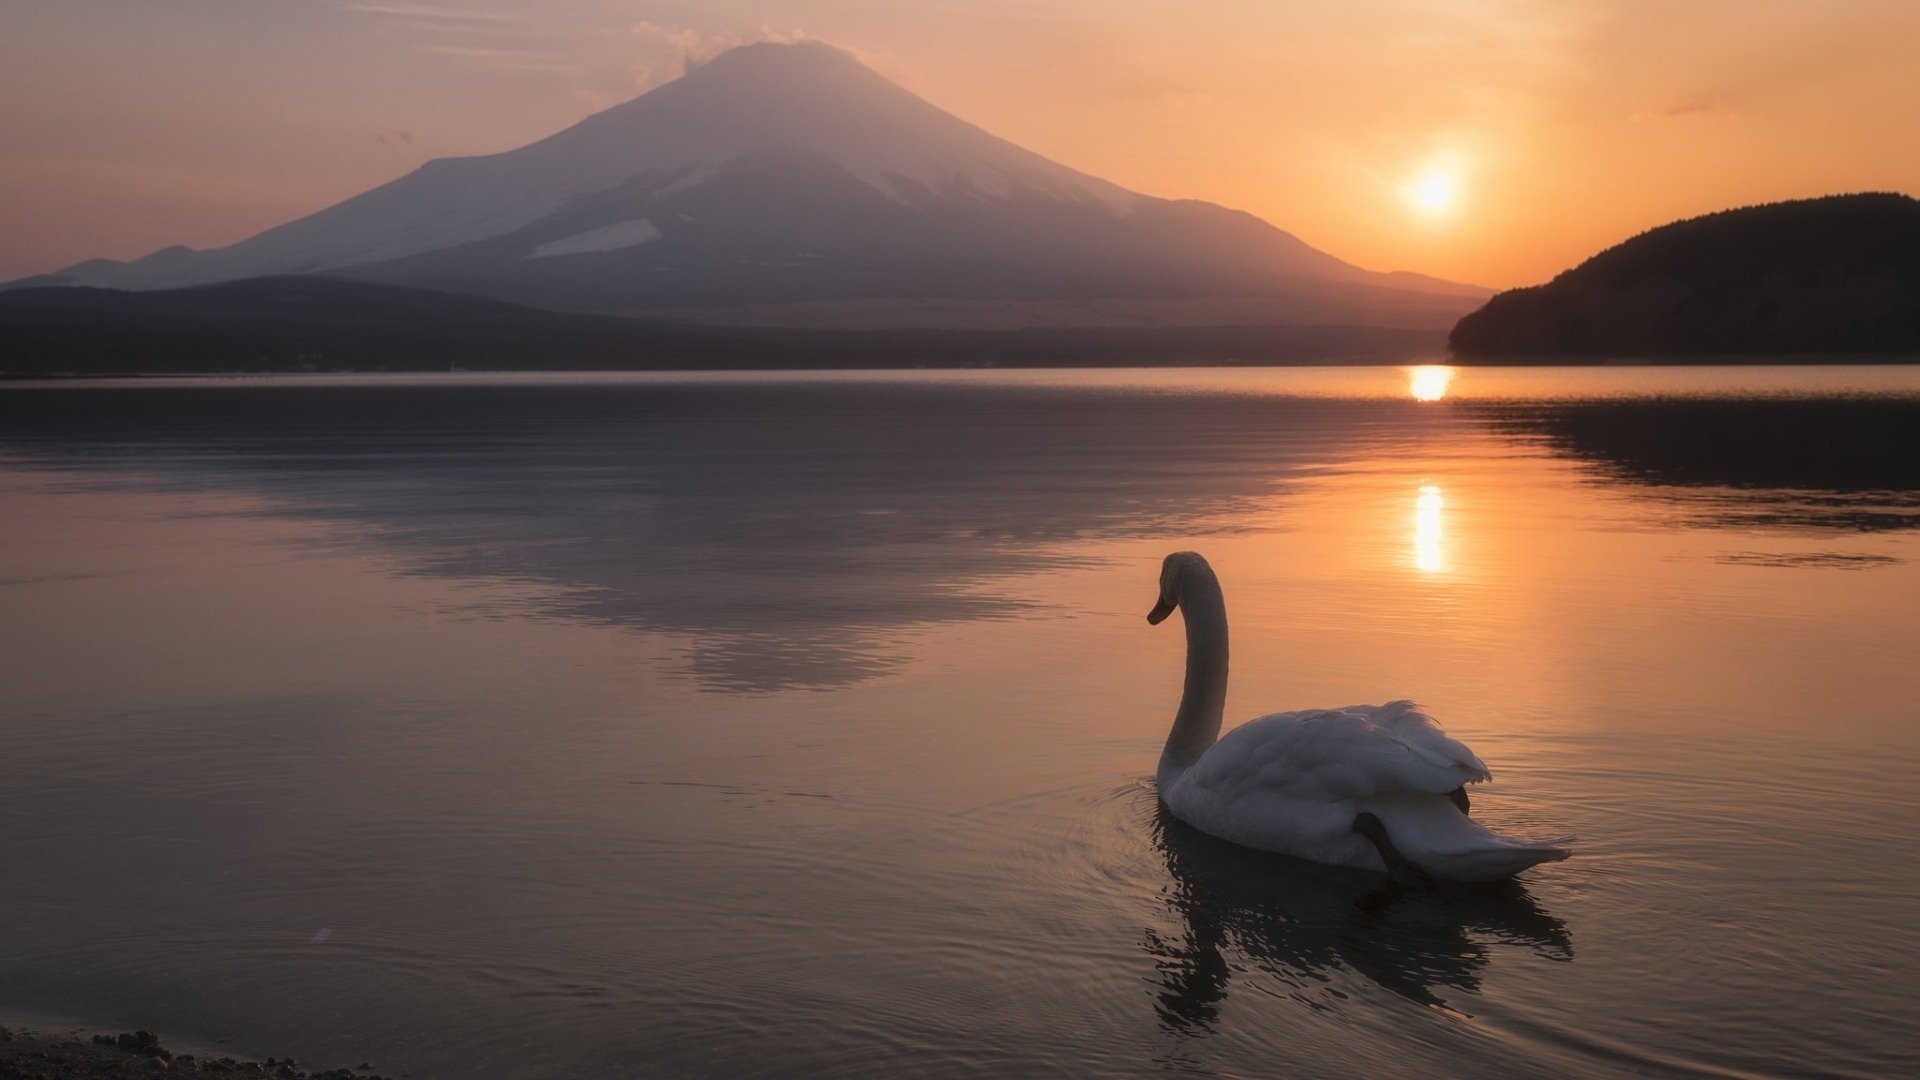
(1160, 612)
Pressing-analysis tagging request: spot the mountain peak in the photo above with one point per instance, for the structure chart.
(808, 57)
(779, 82)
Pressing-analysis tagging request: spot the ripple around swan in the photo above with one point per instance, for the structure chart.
(1218, 928)
(1200, 922)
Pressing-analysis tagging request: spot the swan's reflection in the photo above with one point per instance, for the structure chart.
(1307, 926)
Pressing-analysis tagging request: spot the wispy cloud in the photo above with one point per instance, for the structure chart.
(522, 59)
(697, 46)
(689, 47)
(687, 40)
(396, 138)
(1676, 109)
(432, 12)
(503, 36)
(588, 40)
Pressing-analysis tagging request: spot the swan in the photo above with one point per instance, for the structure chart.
(1379, 787)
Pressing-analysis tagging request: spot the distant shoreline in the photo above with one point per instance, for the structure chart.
(1630, 362)
(326, 326)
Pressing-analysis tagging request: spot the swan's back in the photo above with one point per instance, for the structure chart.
(1293, 782)
(1350, 753)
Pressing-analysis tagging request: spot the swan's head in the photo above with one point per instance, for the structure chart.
(1175, 569)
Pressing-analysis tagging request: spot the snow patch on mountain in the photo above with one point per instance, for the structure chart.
(621, 234)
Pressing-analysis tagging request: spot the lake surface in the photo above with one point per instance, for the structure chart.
(487, 727)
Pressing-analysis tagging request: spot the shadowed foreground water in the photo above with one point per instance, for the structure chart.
(581, 727)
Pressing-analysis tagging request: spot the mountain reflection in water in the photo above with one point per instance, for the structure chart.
(791, 530)
(1846, 463)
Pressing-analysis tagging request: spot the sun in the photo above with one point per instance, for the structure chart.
(1434, 192)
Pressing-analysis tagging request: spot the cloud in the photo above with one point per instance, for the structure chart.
(694, 47)
(396, 138)
(430, 12)
(1675, 109)
(521, 59)
(475, 34)
(1687, 108)
(589, 42)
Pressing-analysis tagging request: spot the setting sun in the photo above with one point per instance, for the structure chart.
(1434, 192)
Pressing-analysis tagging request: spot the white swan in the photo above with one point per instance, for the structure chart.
(1374, 786)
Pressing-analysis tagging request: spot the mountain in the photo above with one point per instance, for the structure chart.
(788, 184)
(309, 323)
(1835, 277)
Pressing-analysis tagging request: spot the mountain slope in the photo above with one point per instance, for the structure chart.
(1838, 275)
(789, 175)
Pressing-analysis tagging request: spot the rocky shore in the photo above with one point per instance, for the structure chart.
(71, 1055)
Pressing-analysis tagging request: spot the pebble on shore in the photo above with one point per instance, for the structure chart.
(34, 1055)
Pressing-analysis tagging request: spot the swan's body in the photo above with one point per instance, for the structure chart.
(1372, 786)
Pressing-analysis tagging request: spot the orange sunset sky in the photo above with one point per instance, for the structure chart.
(1489, 141)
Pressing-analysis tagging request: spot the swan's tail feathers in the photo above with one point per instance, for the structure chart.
(1434, 835)
(1503, 859)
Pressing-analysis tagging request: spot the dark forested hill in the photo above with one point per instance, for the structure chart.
(319, 324)
(1834, 277)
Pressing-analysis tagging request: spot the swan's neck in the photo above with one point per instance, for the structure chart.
(1197, 725)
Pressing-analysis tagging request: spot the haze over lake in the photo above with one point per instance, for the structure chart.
(771, 725)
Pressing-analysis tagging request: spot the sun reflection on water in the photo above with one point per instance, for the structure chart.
(1429, 382)
(1426, 530)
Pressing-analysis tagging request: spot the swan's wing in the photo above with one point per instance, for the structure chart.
(1435, 758)
(1352, 753)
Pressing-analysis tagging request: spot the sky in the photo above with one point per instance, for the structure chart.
(1489, 141)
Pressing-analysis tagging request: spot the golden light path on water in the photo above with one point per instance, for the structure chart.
(1426, 530)
(1429, 382)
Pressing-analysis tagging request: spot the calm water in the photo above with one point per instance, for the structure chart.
(559, 727)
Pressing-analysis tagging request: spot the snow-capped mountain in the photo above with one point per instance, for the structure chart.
(791, 178)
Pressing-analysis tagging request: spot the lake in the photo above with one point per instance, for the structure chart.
(550, 726)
